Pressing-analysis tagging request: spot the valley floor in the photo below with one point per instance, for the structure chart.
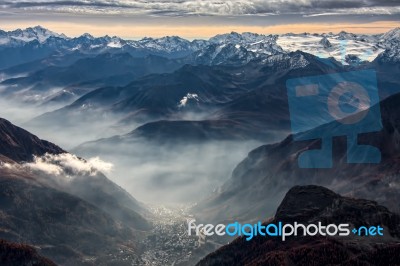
(169, 243)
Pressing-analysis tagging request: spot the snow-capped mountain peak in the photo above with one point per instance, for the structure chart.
(34, 33)
(391, 42)
(245, 38)
(31, 34)
(393, 34)
(115, 42)
(87, 36)
(236, 47)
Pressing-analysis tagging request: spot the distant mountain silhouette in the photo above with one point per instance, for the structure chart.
(58, 83)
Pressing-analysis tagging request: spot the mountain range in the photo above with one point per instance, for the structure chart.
(231, 103)
(61, 84)
(218, 49)
(69, 78)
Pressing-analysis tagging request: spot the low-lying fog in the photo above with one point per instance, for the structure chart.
(153, 173)
(181, 173)
(60, 131)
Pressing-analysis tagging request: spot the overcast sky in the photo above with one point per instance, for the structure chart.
(200, 18)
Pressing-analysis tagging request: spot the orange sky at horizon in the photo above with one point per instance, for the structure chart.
(128, 31)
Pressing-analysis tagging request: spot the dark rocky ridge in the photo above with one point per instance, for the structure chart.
(66, 228)
(12, 254)
(19, 145)
(310, 204)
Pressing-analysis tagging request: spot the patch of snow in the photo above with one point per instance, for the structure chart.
(185, 99)
(115, 44)
(339, 49)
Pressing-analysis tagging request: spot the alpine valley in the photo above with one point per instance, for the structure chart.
(109, 146)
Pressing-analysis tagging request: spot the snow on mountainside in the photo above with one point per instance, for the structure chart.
(392, 35)
(223, 48)
(257, 43)
(391, 42)
(235, 48)
(338, 46)
(169, 44)
(19, 36)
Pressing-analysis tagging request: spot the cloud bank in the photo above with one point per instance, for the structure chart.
(209, 7)
(65, 165)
